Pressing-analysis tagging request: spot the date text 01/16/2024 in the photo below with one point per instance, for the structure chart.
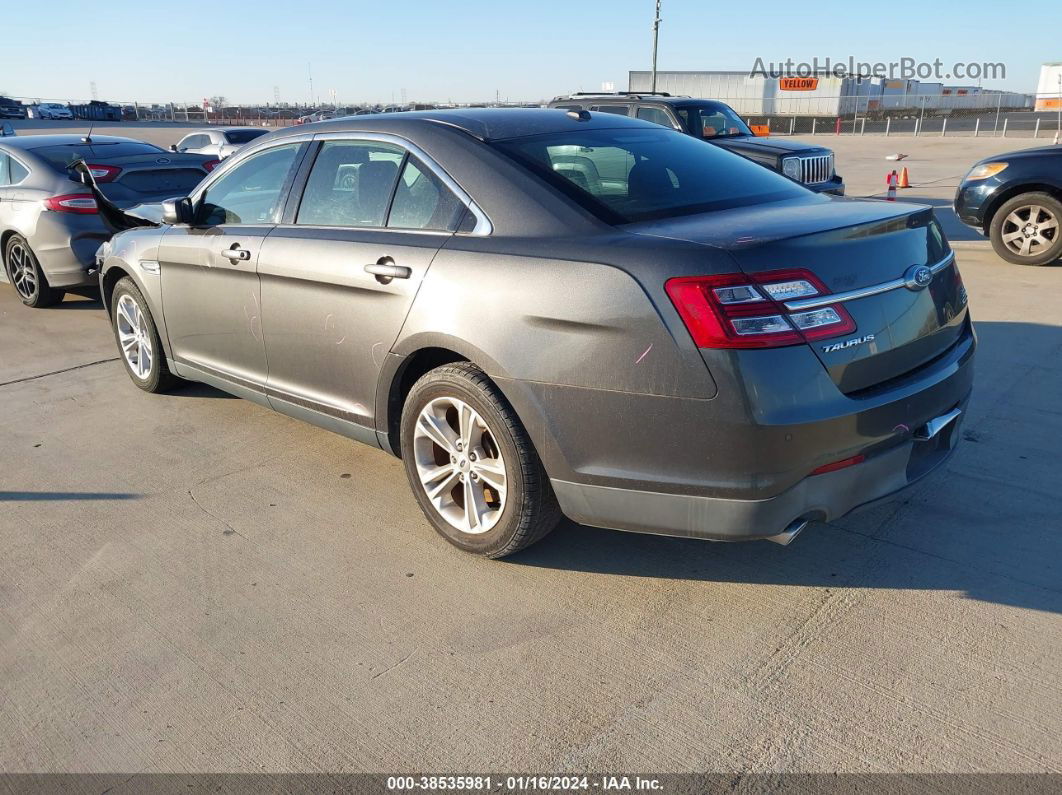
(525, 783)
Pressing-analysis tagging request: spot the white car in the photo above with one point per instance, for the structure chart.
(220, 141)
(53, 110)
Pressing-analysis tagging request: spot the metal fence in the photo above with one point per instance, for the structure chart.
(942, 115)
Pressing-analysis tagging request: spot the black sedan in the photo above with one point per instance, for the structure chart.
(1016, 200)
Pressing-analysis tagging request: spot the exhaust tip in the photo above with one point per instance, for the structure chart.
(792, 531)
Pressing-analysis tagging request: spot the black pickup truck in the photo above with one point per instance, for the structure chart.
(717, 123)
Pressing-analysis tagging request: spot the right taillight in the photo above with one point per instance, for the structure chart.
(81, 203)
(738, 311)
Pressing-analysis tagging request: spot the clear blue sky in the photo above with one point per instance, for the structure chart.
(467, 50)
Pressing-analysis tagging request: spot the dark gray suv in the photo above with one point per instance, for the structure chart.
(549, 313)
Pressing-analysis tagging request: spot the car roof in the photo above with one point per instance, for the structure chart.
(40, 141)
(633, 99)
(486, 124)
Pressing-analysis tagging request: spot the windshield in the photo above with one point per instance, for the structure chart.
(625, 175)
(243, 136)
(63, 156)
(712, 121)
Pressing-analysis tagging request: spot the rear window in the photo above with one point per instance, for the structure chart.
(62, 156)
(624, 176)
(243, 136)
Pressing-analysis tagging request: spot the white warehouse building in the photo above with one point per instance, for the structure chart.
(825, 94)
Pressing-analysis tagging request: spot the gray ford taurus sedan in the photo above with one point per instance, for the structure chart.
(549, 313)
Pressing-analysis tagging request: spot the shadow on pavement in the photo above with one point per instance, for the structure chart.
(47, 496)
(989, 526)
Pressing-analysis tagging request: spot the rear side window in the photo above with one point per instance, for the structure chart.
(422, 201)
(350, 184)
(193, 142)
(619, 110)
(635, 175)
(252, 192)
(656, 116)
(243, 136)
(62, 156)
(11, 171)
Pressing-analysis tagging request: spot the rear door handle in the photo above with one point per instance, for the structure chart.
(236, 253)
(384, 269)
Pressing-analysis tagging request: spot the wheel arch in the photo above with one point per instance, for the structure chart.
(1012, 191)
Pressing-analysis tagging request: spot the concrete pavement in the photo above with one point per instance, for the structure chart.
(193, 583)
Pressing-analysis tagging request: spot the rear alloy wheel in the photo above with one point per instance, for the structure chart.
(1026, 229)
(26, 275)
(471, 465)
(138, 340)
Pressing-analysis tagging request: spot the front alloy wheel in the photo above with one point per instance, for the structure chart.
(1025, 230)
(133, 337)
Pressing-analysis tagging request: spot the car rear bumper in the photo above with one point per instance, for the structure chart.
(66, 245)
(822, 497)
(738, 466)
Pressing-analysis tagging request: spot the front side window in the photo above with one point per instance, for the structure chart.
(635, 175)
(252, 192)
(713, 121)
(422, 201)
(350, 184)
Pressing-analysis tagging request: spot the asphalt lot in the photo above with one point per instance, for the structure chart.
(193, 583)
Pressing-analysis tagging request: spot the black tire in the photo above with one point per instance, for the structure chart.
(158, 377)
(31, 287)
(530, 508)
(1002, 225)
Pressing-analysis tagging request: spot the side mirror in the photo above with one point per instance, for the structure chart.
(173, 147)
(177, 211)
(6, 130)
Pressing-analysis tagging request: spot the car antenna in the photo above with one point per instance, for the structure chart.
(87, 137)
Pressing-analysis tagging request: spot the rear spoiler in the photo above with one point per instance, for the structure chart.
(114, 218)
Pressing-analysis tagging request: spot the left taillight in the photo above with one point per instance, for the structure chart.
(80, 203)
(735, 310)
(210, 165)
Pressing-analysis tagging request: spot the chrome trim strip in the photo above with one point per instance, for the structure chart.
(862, 292)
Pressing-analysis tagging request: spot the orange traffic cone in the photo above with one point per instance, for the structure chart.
(905, 182)
(890, 180)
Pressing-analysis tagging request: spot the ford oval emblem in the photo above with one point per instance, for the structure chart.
(163, 160)
(917, 277)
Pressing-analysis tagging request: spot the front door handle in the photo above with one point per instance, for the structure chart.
(384, 269)
(236, 253)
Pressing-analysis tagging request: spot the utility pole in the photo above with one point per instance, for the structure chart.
(656, 40)
(309, 72)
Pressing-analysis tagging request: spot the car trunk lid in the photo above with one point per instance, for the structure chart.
(861, 251)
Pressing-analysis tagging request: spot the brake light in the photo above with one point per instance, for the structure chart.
(104, 173)
(80, 203)
(210, 165)
(738, 311)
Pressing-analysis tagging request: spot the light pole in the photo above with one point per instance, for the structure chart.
(656, 39)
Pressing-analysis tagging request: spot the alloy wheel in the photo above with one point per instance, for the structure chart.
(1030, 230)
(460, 465)
(134, 337)
(22, 271)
